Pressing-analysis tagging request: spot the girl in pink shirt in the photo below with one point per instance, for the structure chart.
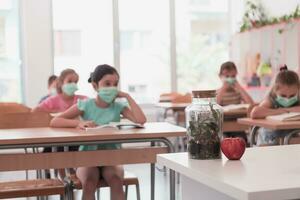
(66, 97)
(66, 87)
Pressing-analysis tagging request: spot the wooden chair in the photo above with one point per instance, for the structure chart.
(29, 188)
(13, 108)
(24, 120)
(129, 179)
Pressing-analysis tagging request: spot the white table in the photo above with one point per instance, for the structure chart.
(268, 173)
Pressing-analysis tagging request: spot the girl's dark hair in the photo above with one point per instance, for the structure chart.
(100, 71)
(229, 66)
(61, 78)
(51, 79)
(285, 77)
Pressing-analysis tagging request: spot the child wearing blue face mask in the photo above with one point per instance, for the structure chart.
(98, 111)
(283, 98)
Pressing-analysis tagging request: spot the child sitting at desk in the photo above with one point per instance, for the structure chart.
(66, 86)
(231, 92)
(98, 111)
(283, 98)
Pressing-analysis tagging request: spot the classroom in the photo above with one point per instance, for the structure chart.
(149, 99)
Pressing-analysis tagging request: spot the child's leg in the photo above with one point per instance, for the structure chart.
(267, 137)
(114, 175)
(89, 177)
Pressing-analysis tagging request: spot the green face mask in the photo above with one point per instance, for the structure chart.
(286, 102)
(230, 80)
(69, 88)
(108, 94)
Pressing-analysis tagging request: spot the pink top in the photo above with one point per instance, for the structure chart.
(56, 103)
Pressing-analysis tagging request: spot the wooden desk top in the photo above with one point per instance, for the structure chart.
(58, 135)
(268, 173)
(169, 105)
(270, 123)
(182, 106)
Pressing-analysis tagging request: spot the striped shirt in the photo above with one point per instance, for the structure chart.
(231, 96)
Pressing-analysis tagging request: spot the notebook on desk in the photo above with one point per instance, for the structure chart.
(291, 116)
(235, 107)
(116, 125)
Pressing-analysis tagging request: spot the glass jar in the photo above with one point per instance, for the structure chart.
(204, 119)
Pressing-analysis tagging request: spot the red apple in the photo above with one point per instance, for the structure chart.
(233, 148)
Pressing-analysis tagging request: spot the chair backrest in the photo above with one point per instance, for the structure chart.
(187, 98)
(24, 120)
(13, 108)
(168, 97)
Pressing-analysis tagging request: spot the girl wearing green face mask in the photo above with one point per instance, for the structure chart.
(100, 110)
(66, 86)
(231, 91)
(283, 98)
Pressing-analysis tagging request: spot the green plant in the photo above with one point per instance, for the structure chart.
(255, 16)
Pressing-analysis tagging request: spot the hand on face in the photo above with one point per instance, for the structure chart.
(122, 94)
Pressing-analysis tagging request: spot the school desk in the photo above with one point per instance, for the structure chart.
(269, 173)
(53, 137)
(230, 117)
(270, 124)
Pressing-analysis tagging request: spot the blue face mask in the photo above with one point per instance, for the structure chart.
(230, 80)
(69, 88)
(286, 102)
(108, 94)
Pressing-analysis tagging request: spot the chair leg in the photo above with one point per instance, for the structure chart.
(138, 193)
(126, 192)
(98, 194)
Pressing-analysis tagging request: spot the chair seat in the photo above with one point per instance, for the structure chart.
(129, 179)
(29, 188)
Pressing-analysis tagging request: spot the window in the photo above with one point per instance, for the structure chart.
(10, 63)
(140, 32)
(67, 43)
(83, 37)
(202, 43)
(144, 57)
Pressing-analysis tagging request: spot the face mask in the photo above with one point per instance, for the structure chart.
(230, 80)
(69, 88)
(108, 94)
(53, 91)
(286, 102)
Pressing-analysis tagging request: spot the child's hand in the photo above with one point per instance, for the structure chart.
(122, 94)
(86, 124)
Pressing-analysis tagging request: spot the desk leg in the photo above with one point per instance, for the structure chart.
(172, 173)
(253, 134)
(152, 166)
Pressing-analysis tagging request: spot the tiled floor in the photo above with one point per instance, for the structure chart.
(140, 170)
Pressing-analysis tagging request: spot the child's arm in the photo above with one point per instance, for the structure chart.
(293, 109)
(68, 119)
(245, 96)
(135, 113)
(264, 109)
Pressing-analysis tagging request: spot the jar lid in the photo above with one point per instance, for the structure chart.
(204, 93)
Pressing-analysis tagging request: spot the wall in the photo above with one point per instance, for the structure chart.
(279, 7)
(36, 37)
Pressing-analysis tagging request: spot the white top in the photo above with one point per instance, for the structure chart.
(263, 173)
